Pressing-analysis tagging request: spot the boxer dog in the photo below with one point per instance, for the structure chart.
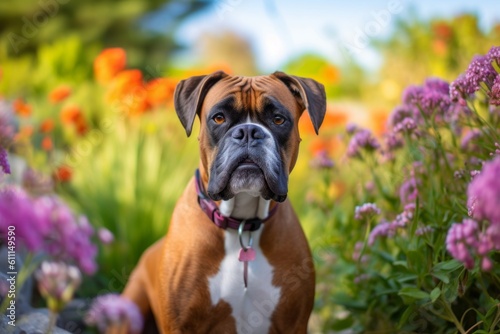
(235, 258)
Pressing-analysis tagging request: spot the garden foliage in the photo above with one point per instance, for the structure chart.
(413, 243)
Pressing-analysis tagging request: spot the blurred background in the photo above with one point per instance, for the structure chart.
(90, 87)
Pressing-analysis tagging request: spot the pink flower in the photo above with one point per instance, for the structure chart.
(484, 193)
(365, 211)
(48, 225)
(383, 229)
(467, 242)
(105, 236)
(4, 163)
(57, 283)
(322, 160)
(494, 94)
(113, 310)
(362, 140)
(18, 210)
(408, 192)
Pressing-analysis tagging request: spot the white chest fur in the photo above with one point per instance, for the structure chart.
(252, 307)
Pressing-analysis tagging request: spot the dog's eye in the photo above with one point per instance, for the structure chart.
(278, 120)
(219, 119)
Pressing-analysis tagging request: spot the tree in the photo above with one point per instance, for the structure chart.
(25, 25)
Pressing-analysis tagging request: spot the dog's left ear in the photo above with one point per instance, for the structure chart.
(309, 93)
(189, 95)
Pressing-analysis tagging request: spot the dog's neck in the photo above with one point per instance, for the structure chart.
(245, 206)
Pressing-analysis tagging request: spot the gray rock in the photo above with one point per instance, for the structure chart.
(35, 322)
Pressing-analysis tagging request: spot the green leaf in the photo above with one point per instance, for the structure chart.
(401, 263)
(441, 276)
(435, 294)
(341, 324)
(406, 314)
(447, 266)
(414, 293)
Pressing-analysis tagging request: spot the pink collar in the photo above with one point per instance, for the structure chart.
(212, 211)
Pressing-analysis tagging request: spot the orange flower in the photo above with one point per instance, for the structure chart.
(63, 173)
(125, 83)
(127, 92)
(108, 64)
(47, 144)
(47, 126)
(331, 74)
(379, 121)
(332, 145)
(160, 90)
(59, 94)
(21, 108)
(70, 114)
(81, 126)
(24, 133)
(334, 117)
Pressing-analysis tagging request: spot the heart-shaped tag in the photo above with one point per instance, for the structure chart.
(246, 255)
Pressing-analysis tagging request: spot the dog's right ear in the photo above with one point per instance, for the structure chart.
(189, 95)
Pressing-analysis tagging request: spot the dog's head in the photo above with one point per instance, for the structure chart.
(249, 135)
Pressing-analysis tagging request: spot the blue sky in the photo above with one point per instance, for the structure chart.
(281, 29)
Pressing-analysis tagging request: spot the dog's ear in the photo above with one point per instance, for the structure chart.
(309, 93)
(189, 95)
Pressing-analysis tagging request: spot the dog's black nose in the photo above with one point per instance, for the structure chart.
(249, 134)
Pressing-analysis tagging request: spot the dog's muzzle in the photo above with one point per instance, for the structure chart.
(248, 160)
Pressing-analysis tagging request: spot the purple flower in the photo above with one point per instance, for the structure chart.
(461, 241)
(115, 311)
(484, 193)
(467, 242)
(413, 94)
(36, 183)
(69, 236)
(438, 85)
(408, 192)
(435, 103)
(393, 141)
(47, 224)
(6, 136)
(383, 229)
(458, 174)
(480, 70)
(105, 236)
(407, 125)
(400, 113)
(57, 283)
(403, 219)
(432, 100)
(322, 160)
(17, 210)
(4, 163)
(351, 128)
(423, 230)
(494, 94)
(460, 90)
(493, 55)
(362, 140)
(6, 127)
(365, 211)
(497, 150)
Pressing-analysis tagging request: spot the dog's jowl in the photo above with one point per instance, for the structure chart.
(235, 258)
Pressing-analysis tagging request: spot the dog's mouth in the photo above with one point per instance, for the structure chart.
(250, 173)
(248, 163)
